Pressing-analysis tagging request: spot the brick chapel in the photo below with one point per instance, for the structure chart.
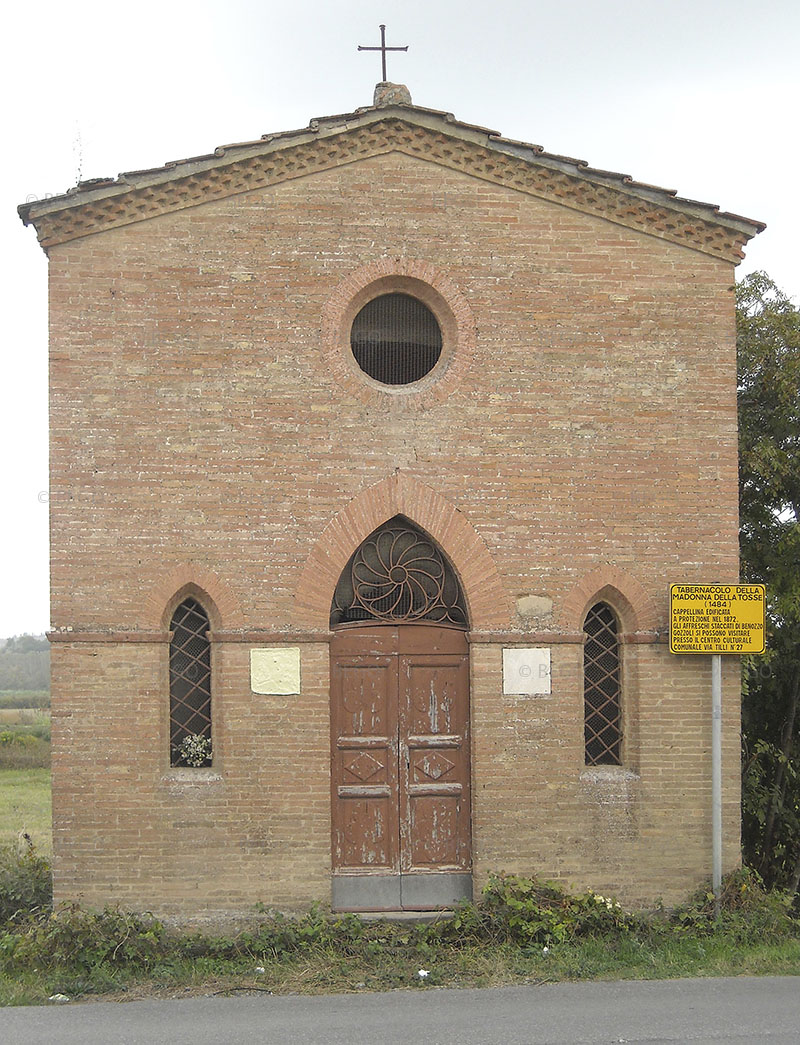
(375, 447)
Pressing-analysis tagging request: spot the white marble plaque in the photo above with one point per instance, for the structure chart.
(526, 671)
(275, 671)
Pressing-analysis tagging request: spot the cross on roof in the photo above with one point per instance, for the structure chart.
(383, 49)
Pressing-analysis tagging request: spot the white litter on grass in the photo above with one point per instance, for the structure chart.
(260, 969)
(423, 973)
(545, 951)
(59, 999)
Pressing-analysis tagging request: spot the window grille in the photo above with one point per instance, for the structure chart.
(398, 574)
(189, 685)
(396, 339)
(601, 687)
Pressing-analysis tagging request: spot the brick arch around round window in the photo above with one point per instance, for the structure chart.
(636, 609)
(192, 581)
(418, 279)
(488, 603)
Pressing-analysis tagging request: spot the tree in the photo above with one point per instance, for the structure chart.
(768, 348)
(24, 663)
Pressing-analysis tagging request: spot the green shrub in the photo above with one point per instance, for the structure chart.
(515, 913)
(527, 911)
(26, 883)
(747, 910)
(278, 935)
(84, 940)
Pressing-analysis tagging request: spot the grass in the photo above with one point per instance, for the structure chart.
(523, 932)
(24, 739)
(25, 806)
(324, 970)
(24, 698)
(24, 716)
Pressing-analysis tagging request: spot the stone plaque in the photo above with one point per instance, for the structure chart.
(275, 671)
(526, 671)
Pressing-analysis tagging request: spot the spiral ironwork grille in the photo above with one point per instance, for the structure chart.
(601, 687)
(396, 339)
(189, 677)
(398, 574)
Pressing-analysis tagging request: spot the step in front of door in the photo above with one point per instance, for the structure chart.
(400, 892)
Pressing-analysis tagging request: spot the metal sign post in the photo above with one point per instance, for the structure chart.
(716, 779)
(717, 619)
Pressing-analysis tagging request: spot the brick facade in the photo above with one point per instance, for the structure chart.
(212, 434)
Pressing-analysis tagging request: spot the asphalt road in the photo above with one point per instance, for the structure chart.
(742, 1010)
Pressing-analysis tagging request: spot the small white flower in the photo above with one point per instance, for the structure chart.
(260, 969)
(195, 749)
(545, 951)
(423, 973)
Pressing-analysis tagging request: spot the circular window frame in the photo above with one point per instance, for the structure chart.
(402, 355)
(434, 290)
(432, 300)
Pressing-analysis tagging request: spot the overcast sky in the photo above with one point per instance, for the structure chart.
(702, 96)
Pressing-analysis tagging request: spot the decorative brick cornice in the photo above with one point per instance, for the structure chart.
(114, 637)
(260, 636)
(527, 638)
(141, 195)
(557, 638)
(488, 603)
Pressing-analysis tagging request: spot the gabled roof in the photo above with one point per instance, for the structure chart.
(389, 125)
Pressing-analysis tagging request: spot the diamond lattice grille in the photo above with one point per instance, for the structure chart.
(601, 687)
(189, 676)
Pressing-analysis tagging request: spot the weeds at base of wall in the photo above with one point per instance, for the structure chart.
(26, 886)
(522, 931)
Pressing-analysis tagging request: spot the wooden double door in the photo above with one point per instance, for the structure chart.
(400, 772)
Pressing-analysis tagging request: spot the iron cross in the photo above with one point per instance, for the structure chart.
(383, 49)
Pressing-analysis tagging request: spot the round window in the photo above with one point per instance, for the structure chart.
(396, 339)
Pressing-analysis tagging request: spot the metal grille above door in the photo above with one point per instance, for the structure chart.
(396, 339)
(398, 575)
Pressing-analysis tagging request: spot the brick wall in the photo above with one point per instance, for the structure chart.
(208, 427)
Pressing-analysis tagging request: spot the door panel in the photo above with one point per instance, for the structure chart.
(434, 776)
(365, 831)
(434, 834)
(400, 767)
(364, 762)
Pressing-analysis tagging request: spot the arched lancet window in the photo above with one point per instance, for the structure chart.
(398, 575)
(190, 686)
(601, 687)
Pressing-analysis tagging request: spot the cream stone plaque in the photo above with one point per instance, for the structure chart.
(275, 671)
(526, 671)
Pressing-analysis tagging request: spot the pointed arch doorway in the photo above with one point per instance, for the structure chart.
(400, 750)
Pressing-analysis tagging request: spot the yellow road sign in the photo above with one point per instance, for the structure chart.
(717, 618)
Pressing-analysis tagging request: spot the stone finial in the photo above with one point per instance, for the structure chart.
(391, 94)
